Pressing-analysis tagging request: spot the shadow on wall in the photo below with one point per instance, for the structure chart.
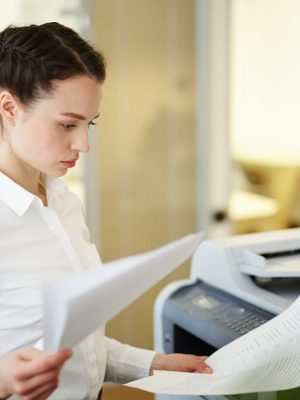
(165, 173)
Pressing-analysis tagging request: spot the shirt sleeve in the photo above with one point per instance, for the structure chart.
(126, 363)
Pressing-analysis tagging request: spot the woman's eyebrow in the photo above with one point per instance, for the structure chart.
(77, 116)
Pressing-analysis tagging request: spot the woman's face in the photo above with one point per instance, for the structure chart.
(49, 136)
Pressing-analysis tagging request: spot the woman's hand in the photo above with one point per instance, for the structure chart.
(30, 374)
(180, 362)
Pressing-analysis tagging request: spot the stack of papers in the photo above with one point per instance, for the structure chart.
(265, 359)
(76, 305)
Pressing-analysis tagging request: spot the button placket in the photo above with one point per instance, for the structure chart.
(53, 221)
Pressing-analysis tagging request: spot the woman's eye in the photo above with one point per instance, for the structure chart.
(92, 124)
(68, 126)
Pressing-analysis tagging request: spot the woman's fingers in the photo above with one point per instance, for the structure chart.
(180, 362)
(31, 374)
(192, 363)
(201, 365)
(41, 393)
(30, 385)
(36, 363)
(36, 375)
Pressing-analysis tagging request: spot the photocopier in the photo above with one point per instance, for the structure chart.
(235, 285)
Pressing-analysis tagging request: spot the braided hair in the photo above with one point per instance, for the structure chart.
(33, 57)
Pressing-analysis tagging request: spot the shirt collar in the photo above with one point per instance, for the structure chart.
(54, 185)
(19, 199)
(15, 196)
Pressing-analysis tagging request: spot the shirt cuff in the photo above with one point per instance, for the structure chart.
(126, 363)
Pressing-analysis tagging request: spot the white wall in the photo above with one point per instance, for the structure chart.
(22, 12)
(265, 78)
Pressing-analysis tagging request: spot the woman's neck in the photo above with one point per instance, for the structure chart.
(22, 174)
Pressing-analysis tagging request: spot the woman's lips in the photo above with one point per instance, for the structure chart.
(69, 163)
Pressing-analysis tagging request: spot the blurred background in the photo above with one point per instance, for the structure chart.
(199, 126)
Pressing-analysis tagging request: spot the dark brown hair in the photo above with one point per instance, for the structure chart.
(33, 57)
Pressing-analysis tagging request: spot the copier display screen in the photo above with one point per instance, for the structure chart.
(206, 302)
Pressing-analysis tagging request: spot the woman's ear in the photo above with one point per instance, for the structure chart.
(8, 106)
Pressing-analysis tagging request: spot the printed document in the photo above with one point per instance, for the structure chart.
(265, 359)
(79, 303)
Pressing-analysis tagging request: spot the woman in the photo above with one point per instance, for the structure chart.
(50, 92)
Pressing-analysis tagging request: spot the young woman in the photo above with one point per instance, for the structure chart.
(50, 93)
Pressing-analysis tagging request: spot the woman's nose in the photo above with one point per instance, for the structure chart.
(81, 142)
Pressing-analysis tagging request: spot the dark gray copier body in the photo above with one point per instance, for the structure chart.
(198, 319)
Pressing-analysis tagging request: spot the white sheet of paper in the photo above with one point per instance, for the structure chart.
(79, 303)
(265, 359)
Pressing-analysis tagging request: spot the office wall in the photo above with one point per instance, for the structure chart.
(146, 138)
(264, 91)
(265, 79)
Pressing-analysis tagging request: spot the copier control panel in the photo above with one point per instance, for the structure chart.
(203, 316)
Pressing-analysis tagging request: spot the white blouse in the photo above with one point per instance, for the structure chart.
(39, 244)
